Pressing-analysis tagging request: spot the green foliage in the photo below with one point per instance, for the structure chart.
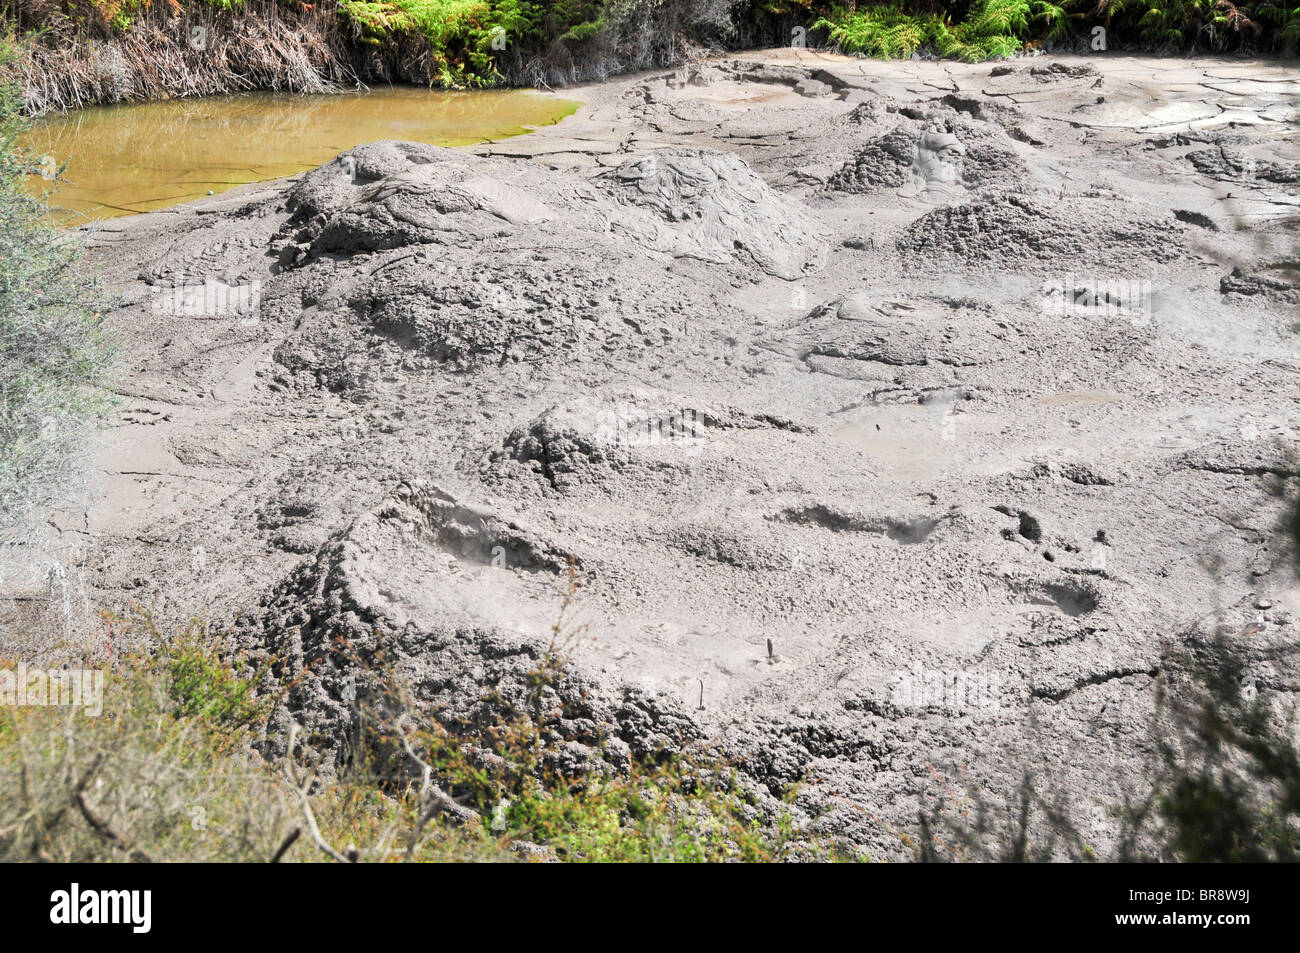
(989, 29)
(164, 773)
(460, 33)
(167, 773)
(1179, 24)
(517, 774)
(992, 29)
(467, 38)
(1199, 24)
(53, 354)
(375, 21)
(885, 32)
(470, 42)
(203, 684)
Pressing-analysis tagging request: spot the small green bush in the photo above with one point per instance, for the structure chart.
(53, 353)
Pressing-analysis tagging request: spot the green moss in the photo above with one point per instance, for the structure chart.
(460, 33)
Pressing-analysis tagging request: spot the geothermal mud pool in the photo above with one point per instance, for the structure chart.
(963, 387)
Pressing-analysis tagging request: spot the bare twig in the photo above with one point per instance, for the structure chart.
(300, 788)
(433, 799)
(286, 844)
(99, 825)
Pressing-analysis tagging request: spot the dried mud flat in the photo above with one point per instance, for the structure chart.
(962, 386)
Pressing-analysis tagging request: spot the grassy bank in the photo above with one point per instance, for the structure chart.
(169, 770)
(81, 52)
(169, 765)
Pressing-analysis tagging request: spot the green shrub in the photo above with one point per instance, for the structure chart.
(165, 772)
(53, 353)
(987, 29)
(459, 33)
(992, 29)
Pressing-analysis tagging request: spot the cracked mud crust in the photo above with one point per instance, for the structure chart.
(933, 375)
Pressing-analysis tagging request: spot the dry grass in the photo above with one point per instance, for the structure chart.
(259, 44)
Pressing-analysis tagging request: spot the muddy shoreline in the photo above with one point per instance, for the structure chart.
(900, 418)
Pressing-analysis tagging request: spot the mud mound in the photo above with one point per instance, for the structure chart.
(296, 521)
(711, 206)
(420, 310)
(883, 163)
(563, 445)
(1055, 72)
(921, 333)
(935, 150)
(387, 597)
(1277, 287)
(1018, 228)
(1249, 454)
(416, 258)
(1042, 73)
(512, 313)
(478, 262)
(872, 113)
(731, 544)
(987, 165)
(473, 534)
(339, 182)
(907, 530)
(1273, 281)
(389, 195)
(585, 441)
(899, 333)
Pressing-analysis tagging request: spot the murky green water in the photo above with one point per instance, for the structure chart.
(128, 159)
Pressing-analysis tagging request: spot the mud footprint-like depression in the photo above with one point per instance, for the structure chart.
(907, 530)
(1006, 611)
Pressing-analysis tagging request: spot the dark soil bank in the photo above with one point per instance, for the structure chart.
(82, 52)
